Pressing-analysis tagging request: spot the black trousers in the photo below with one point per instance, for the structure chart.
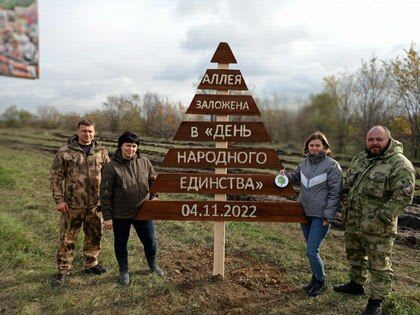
(145, 231)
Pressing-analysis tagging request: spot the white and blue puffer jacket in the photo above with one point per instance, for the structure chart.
(321, 183)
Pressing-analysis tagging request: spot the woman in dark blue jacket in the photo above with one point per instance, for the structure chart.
(320, 179)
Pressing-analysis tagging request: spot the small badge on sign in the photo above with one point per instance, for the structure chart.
(281, 181)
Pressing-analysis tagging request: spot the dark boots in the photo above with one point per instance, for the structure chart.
(374, 307)
(318, 287)
(350, 288)
(309, 285)
(96, 270)
(60, 280)
(154, 268)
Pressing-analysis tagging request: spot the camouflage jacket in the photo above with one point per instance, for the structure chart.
(379, 190)
(75, 177)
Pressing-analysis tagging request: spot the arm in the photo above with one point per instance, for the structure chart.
(106, 158)
(107, 191)
(151, 179)
(402, 183)
(335, 187)
(56, 183)
(294, 176)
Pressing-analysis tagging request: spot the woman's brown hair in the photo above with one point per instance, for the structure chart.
(318, 135)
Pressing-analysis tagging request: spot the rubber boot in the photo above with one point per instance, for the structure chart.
(154, 268)
(124, 278)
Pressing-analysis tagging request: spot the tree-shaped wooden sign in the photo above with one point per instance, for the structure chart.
(221, 158)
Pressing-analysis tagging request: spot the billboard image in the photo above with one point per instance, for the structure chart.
(19, 39)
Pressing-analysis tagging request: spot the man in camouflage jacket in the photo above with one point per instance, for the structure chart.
(75, 182)
(380, 184)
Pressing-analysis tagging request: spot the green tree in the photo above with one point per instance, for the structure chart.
(319, 114)
(14, 117)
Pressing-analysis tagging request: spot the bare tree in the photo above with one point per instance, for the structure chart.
(123, 112)
(48, 116)
(342, 87)
(372, 94)
(406, 76)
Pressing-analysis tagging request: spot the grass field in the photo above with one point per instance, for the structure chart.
(265, 263)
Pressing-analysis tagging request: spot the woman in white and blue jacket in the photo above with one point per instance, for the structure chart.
(320, 179)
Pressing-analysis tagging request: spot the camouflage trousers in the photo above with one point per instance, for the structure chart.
(70, 225)
(370, 256)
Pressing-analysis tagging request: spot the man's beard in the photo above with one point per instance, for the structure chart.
(378, 153)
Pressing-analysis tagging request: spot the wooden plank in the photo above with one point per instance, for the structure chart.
(211, 104)
(249, 211)
(223, 54)
(222, 131)
(219, 227)
(222, 79)
(238, 184)
(211, 158)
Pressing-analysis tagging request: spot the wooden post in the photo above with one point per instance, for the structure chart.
(219, 227)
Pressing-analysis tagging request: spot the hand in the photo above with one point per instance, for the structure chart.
(107, 224)
(282, 172)
(62, 207)
(154, 198)
(325, 223)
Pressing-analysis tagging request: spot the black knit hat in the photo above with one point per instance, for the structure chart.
(128, 137)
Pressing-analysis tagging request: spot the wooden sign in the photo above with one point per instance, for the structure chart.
(223, 54)
(250, 211)
(239, 158)
(216, 79)
(238, 184)
(222, 131)
(212, 104)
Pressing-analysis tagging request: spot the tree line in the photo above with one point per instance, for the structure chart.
(383, 92)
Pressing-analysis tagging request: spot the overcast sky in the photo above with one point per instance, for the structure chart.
(91, 49)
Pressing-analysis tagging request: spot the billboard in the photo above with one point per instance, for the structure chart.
(19, 39)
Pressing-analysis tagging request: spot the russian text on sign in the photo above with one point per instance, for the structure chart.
(222, 131)
(245, 158)
(253, 184)
(223, 104)
(223, 79)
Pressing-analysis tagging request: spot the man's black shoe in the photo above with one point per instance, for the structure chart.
(96, 270)
(309, 285)
(318, 287)
(350, 288)
(374, 307)
(60, 280)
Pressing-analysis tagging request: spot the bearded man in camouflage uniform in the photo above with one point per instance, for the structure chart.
(380, 184)
(75, 182)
